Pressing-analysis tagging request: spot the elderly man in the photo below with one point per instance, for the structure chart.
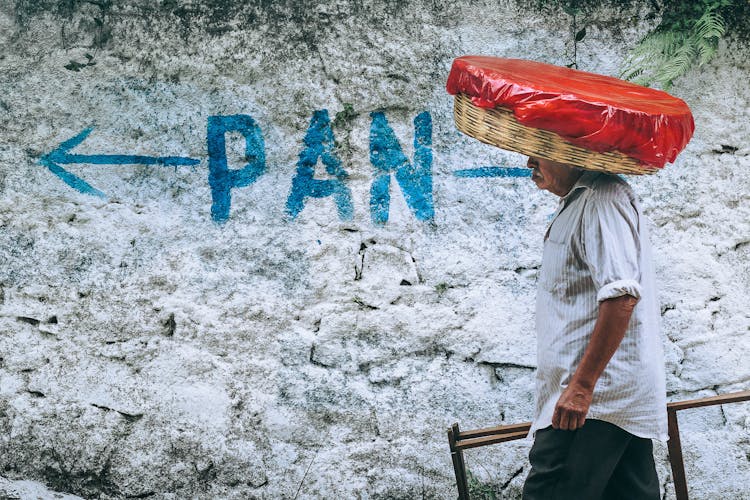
(600, 376)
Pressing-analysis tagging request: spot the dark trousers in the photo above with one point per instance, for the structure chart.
(599, 461)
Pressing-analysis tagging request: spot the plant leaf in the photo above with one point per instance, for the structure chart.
(691, 39)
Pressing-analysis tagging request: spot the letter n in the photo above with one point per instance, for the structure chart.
(220, 177)
(415, 178)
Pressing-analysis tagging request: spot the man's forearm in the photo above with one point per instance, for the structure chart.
(609, 330)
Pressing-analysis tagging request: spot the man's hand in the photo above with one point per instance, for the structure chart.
(572, 407)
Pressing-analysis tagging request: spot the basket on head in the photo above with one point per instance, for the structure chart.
(500, 128)
(575, 117)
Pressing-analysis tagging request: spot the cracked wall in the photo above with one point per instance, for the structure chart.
(289, 314)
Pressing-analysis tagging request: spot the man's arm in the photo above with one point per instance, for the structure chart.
(609, 330)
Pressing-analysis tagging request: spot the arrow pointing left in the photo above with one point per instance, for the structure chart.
(61, 156)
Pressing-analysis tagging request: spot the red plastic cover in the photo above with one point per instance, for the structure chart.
(600, 113)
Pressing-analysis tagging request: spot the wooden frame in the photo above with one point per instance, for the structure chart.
(462, 440)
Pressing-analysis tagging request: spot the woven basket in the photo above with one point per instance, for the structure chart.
(500, 128)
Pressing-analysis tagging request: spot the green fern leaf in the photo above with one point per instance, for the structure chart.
(710, 25)
(705, 51)
(632, 74)
(678, 65)
(652, 53)
(670, 52)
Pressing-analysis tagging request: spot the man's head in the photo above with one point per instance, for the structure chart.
(557, 178)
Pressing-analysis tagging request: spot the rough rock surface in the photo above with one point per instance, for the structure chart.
(155, 343)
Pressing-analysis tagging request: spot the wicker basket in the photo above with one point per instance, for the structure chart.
(500, 128)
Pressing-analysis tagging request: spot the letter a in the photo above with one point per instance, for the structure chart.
(319, 143)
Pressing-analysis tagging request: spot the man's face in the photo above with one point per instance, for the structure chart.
(557, 178)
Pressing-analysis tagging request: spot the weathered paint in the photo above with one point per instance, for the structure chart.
(320, 143)
(493, 172)
(61, 155)
(221, 178)
(414, 178)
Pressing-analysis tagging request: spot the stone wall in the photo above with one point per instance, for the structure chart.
(244, 252)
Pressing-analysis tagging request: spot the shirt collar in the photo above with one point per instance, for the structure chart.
(585, 181)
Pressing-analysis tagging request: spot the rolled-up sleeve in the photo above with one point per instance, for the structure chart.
(611, 244)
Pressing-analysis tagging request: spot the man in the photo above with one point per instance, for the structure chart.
(600, 376)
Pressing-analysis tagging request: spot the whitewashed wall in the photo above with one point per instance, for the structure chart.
(152, 348)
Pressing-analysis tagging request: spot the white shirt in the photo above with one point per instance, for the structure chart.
(597, 248)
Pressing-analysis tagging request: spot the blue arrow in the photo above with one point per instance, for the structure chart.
(493, 172)
(59, 156)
